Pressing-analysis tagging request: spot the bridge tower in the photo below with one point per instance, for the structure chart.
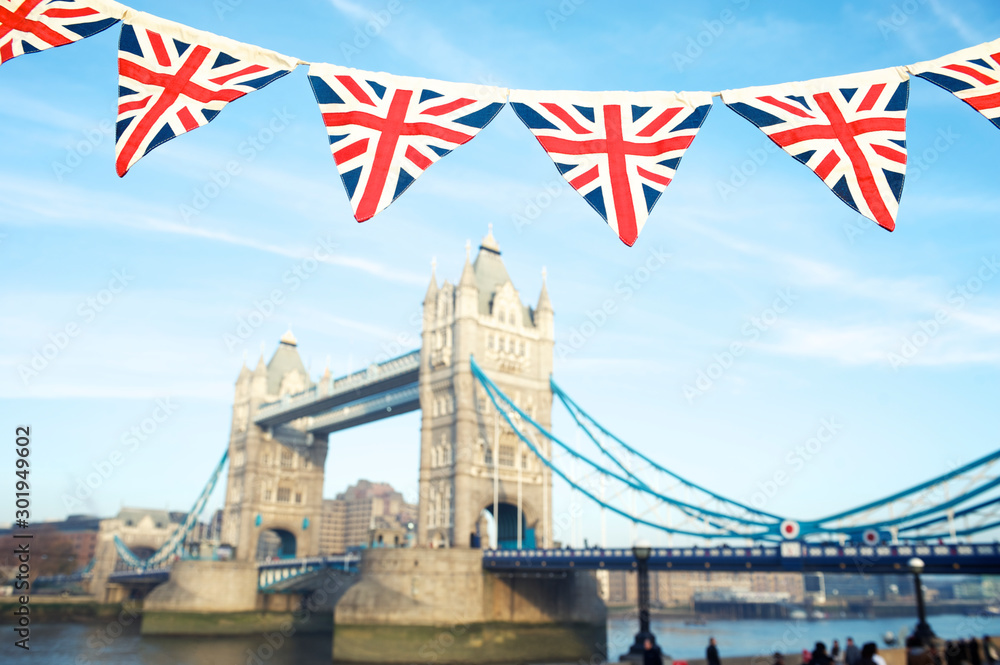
(464, 447)
(274, 490)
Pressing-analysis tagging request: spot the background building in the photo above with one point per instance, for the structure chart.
(366, 514)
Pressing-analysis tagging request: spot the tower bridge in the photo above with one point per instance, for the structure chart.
(482, 380)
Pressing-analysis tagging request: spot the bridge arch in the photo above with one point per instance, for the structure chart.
(276, 542)
(506, 524)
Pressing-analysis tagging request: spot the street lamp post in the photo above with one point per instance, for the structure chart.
(638, 648)
(923, 631)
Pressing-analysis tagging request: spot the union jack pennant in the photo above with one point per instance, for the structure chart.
(619, 150)
(29, 26)
(172, 79)
(972, 75)
(850, 130)
(385, 130)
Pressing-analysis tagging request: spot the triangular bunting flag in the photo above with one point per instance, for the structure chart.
(172, 79)
(619, 150)
(850, 130)
(29, 26)
(972, 75)
(385, 130)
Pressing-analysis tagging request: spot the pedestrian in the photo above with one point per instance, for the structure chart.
(868, 651)
(806, 656)
(820, 656)
(989, 653)
(712, 653)
(952, 654)
(651, 653)
(835, 652)
(852, 654)
(974, 657)
(779, 659)
(876, 656)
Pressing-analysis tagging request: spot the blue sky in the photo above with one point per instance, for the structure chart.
(737, 244)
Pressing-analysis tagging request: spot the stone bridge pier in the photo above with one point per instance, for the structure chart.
(417, 606)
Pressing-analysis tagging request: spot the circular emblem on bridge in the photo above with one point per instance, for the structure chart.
(870, 536)
(789, 530)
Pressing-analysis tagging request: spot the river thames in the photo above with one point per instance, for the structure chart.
(77, 644)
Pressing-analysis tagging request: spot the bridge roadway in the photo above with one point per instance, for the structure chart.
(380, 391)
(280, 576)
(792, 556)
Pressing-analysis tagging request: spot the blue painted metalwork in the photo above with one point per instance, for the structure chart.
(791, 556)
(273, 576)
(176, 539)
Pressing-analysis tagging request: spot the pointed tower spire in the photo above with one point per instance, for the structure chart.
(543, 298)
(468, 276)
(489, 243)
(432, 288)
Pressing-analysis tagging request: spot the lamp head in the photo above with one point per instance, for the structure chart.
(916, 565)
(642, 550)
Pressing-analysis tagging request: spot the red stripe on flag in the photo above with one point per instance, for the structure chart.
(252, 69)
(349, 152)
(846, 133)
(356, 90)
(869, 101)
(890, 154)
(173, 86)
(659, 122)
(974, 73)
(584, 178)
(563, 115)
(417, 158)
(18, 21)
(6, 51)
(984, 102)
(784, 106)
(162, 57)
(184, 115)
(392, 127)
(69, 13)
(618, 174)
(655, 177)
(131, 106)
(447, 108)
(828, 164)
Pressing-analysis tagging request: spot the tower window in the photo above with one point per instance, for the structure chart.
(506, 455)
(284, 494)
(489, 342)
(286, 459)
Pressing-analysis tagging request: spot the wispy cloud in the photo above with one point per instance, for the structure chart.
(79, 207)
